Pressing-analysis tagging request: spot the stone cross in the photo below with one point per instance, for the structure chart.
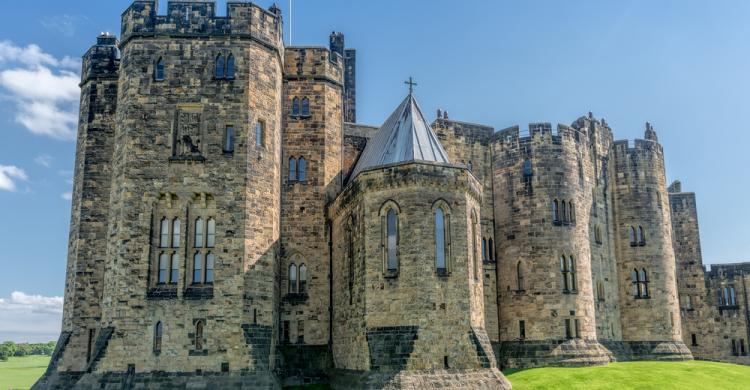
(411, 84)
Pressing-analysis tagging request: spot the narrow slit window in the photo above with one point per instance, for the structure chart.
(555, 211)
(519, 276)
(229, 139)
(197, 268)
(174, 274)
(292, 169)
(440, 247)
(211, 233)
(230, 66)
(302, 169)
(198, 240)
(158, 331)
(164, 233)
(220, 64)
(302, 278)
(159, 70)
(292, 278)
(210, 260)
(176, 233)
(305, 107)
(260, 130)
(295, 106)
(162, 277)
(392, 244)
(199, 335)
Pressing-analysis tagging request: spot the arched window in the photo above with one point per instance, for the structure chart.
(210, 260)
(571, 213)
(440, 247)
(305, 111)
(211, 233)
(301, 169)
(230, 66)
(159, 70)
(198, 236)
(636, 284)
(199, 335)
(219, 68)
(632, 236)
(158, 331)
(519, 276)
(644, 283)
(162, 277)
(572, 273)
(475, 245)
(292, 169)
(564, 211)
(176, 233)
(197, 268)
(260, 133)
(555, 211)
(164, 233)
(641, 237)
(564, 270)
(302, 279)
(484, 250)
(174, 274)
(292, 278)
(392, 240)
(295, 106)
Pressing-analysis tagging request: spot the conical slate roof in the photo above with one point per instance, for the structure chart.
(405, 136)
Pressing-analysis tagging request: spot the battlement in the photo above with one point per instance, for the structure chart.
(542, 131)
(196, 18)
(313, 62)
(101, 60)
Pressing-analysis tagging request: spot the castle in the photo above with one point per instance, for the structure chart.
(232, 226)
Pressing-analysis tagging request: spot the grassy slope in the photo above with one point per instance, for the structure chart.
(22, 372)
(636, 375)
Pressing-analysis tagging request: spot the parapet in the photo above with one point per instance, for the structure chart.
(101, 60)
(197, 18)
(317, 63)
(675, 187)
(542, 131)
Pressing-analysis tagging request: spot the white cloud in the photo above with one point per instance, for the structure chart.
(67, 195)
(44, 160)
(30, 317)
(9, 174)
(43, 88)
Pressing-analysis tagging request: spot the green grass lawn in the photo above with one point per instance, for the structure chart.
(22, 372)
(635, 375)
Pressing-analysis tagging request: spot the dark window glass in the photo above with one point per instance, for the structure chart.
(219, 68)
(230, 67)
(292, 169)
(175, 268)
(159, 70)
(229, 139)
(305, 107)
(198, 268)
(162, 268)
(301, 169)
(295, 106)
(158, 331)
(210, 267)
(440, 239)
(392, 243)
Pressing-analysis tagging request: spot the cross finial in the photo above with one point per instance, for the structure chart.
(411, 84)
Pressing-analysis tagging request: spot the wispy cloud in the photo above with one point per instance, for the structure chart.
(63, 24)
(30, 317)
(9, 176)
(44, 160)
(44, 89)
(67, 195)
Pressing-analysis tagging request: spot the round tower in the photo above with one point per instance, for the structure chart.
(542, 210)
(646, 262)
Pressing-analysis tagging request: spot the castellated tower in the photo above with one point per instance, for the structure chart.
(408, 294)
(646, 261)
(543, 204)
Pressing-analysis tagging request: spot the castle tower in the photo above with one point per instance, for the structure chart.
(543, 198)
(646, 261)
(349, 57)
(407, 266)
(311, 165)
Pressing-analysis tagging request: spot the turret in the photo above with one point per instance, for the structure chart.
(646, 261)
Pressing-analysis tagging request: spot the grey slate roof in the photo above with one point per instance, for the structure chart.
(404, 137)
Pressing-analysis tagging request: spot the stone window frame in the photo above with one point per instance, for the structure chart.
(198, 338)
(640, 281)
(229, 139)
(301, 107)
(166, 209)
(520, 278)
(260, 134)
(637, 236)
(297, 170)
(442, 205)
(569, 269)
(202, 207)
(383, 214)
(563, 212)
(600, 292)
(224, 66)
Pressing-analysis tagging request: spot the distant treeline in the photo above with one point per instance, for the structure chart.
(9, 348)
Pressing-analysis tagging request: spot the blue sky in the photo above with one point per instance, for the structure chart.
(682, 65)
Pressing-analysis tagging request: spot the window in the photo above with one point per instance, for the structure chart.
(293, 279)
(210, 267)
(491, 248)
(564, 271)
(640, 283)
(295, 106)
(571, 213)
(641, 237)
(568, 269)
(484, 250)
(742, 347)
(260, 133)
(292, 169)
(475, 245)
(519, 276)
(564, 211)
(522, 329)
(300, 332)
(197, 268)
(555, 211)
(198, 239)
(158, 330)
(527, 170)
(220, 67)
(578, 328)
(392, 221)
(164, 233)
(734, 348)
(305, 111)
(732, 297)
(301, 169)
(199, 335)
(176, 233)
(174, 274)
(568, 331)
(694, 340)
(211, 233)
(572, 273)
(162, 268)
(159, 70)
(441, 248)
(598, 234)
(600, 291)
(229, 139)
(230, 66)
(632, 236)
(285, 332)
(302, 279)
